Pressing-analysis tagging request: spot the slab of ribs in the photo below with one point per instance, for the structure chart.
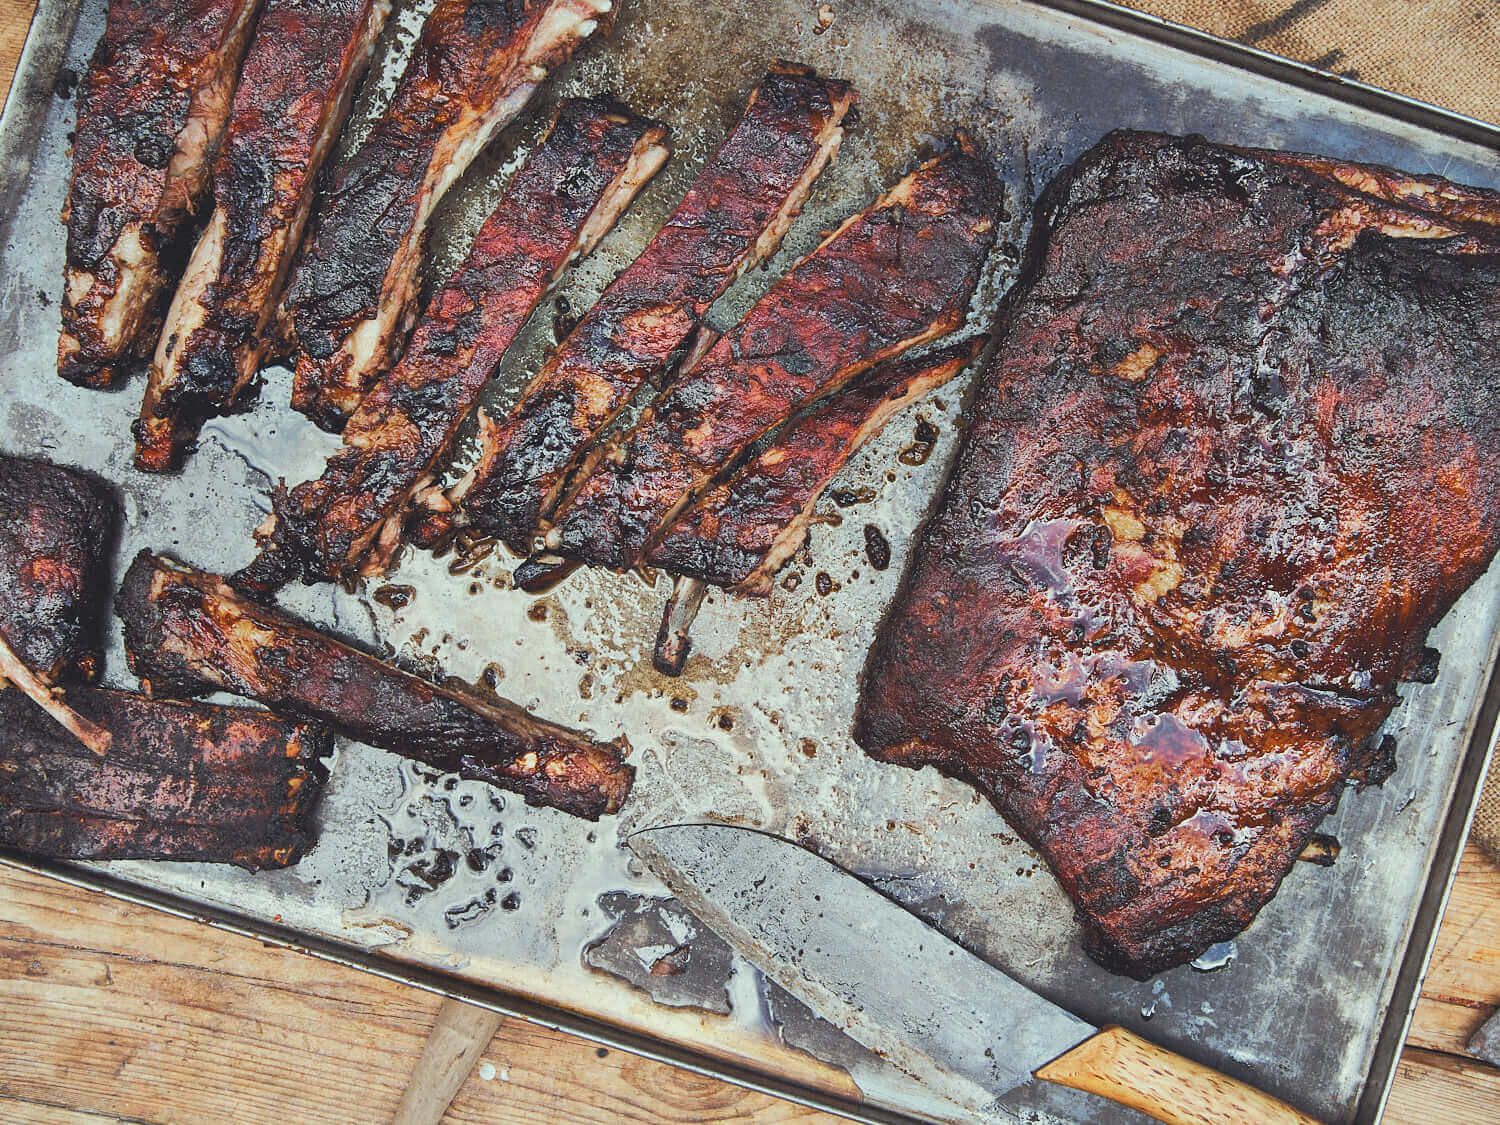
(740, 532)
(293, 96)
(55, 526)
(1238, 452)
(187, 633)
(353, 297)
(151, 111)
(566, 195)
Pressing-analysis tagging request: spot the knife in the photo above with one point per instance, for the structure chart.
(893, 983)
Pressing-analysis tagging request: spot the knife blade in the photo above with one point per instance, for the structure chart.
(904, 990)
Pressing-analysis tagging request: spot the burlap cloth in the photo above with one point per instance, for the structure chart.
(1442, 51)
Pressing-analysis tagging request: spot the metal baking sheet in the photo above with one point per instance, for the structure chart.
(459, 889)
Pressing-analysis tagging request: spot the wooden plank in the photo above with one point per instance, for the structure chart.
(1433, 1088)
(109, 1010)
(15, 19)
(1463, 985)
(461, 1034)
(42, 1113)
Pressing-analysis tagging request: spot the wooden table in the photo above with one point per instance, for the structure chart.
(115, 1012)
(110, 1012)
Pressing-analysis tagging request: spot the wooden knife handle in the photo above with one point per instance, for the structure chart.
(1121, 1066)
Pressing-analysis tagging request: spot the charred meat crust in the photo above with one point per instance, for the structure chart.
(407, 422)
(896, 275)
(732, 216)
(151, 110)
(294, 93)
(1238, 451)
(182, 781)
(351, 300)
(739, 532)
(57, 527)
(186, 632)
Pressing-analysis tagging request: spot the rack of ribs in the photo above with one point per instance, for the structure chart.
(1238, 451)
(57, 527)
(562, 200)
(182, 781)
(353, 296)
(187, 632)
(293, 97)
(151, 112)
(732, 218)
(892, 277)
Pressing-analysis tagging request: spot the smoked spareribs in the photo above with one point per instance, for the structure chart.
(1239, 450)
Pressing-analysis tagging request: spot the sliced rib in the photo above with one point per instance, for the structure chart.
(733, 217)
(187, 632)
(56, 526)
(151, 111)
(353, 297)
(294, 92)
(740, 532)
(183, 781)
(1238, 451)
(894, 276)
(561, 201)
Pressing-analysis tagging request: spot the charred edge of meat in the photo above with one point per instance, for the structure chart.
(294, 94)
(732, 218)
(1319, 300)
(183, 781)
(894, 276)
(540, 573)
(152, 109)
(740, 532)
(352, 301)
(187, 632)
(562, 200)
(282, 543)
(58, 529)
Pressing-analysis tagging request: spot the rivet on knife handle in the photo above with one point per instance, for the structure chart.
(1119, 1065)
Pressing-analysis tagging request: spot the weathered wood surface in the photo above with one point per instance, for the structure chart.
(115, 1012)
